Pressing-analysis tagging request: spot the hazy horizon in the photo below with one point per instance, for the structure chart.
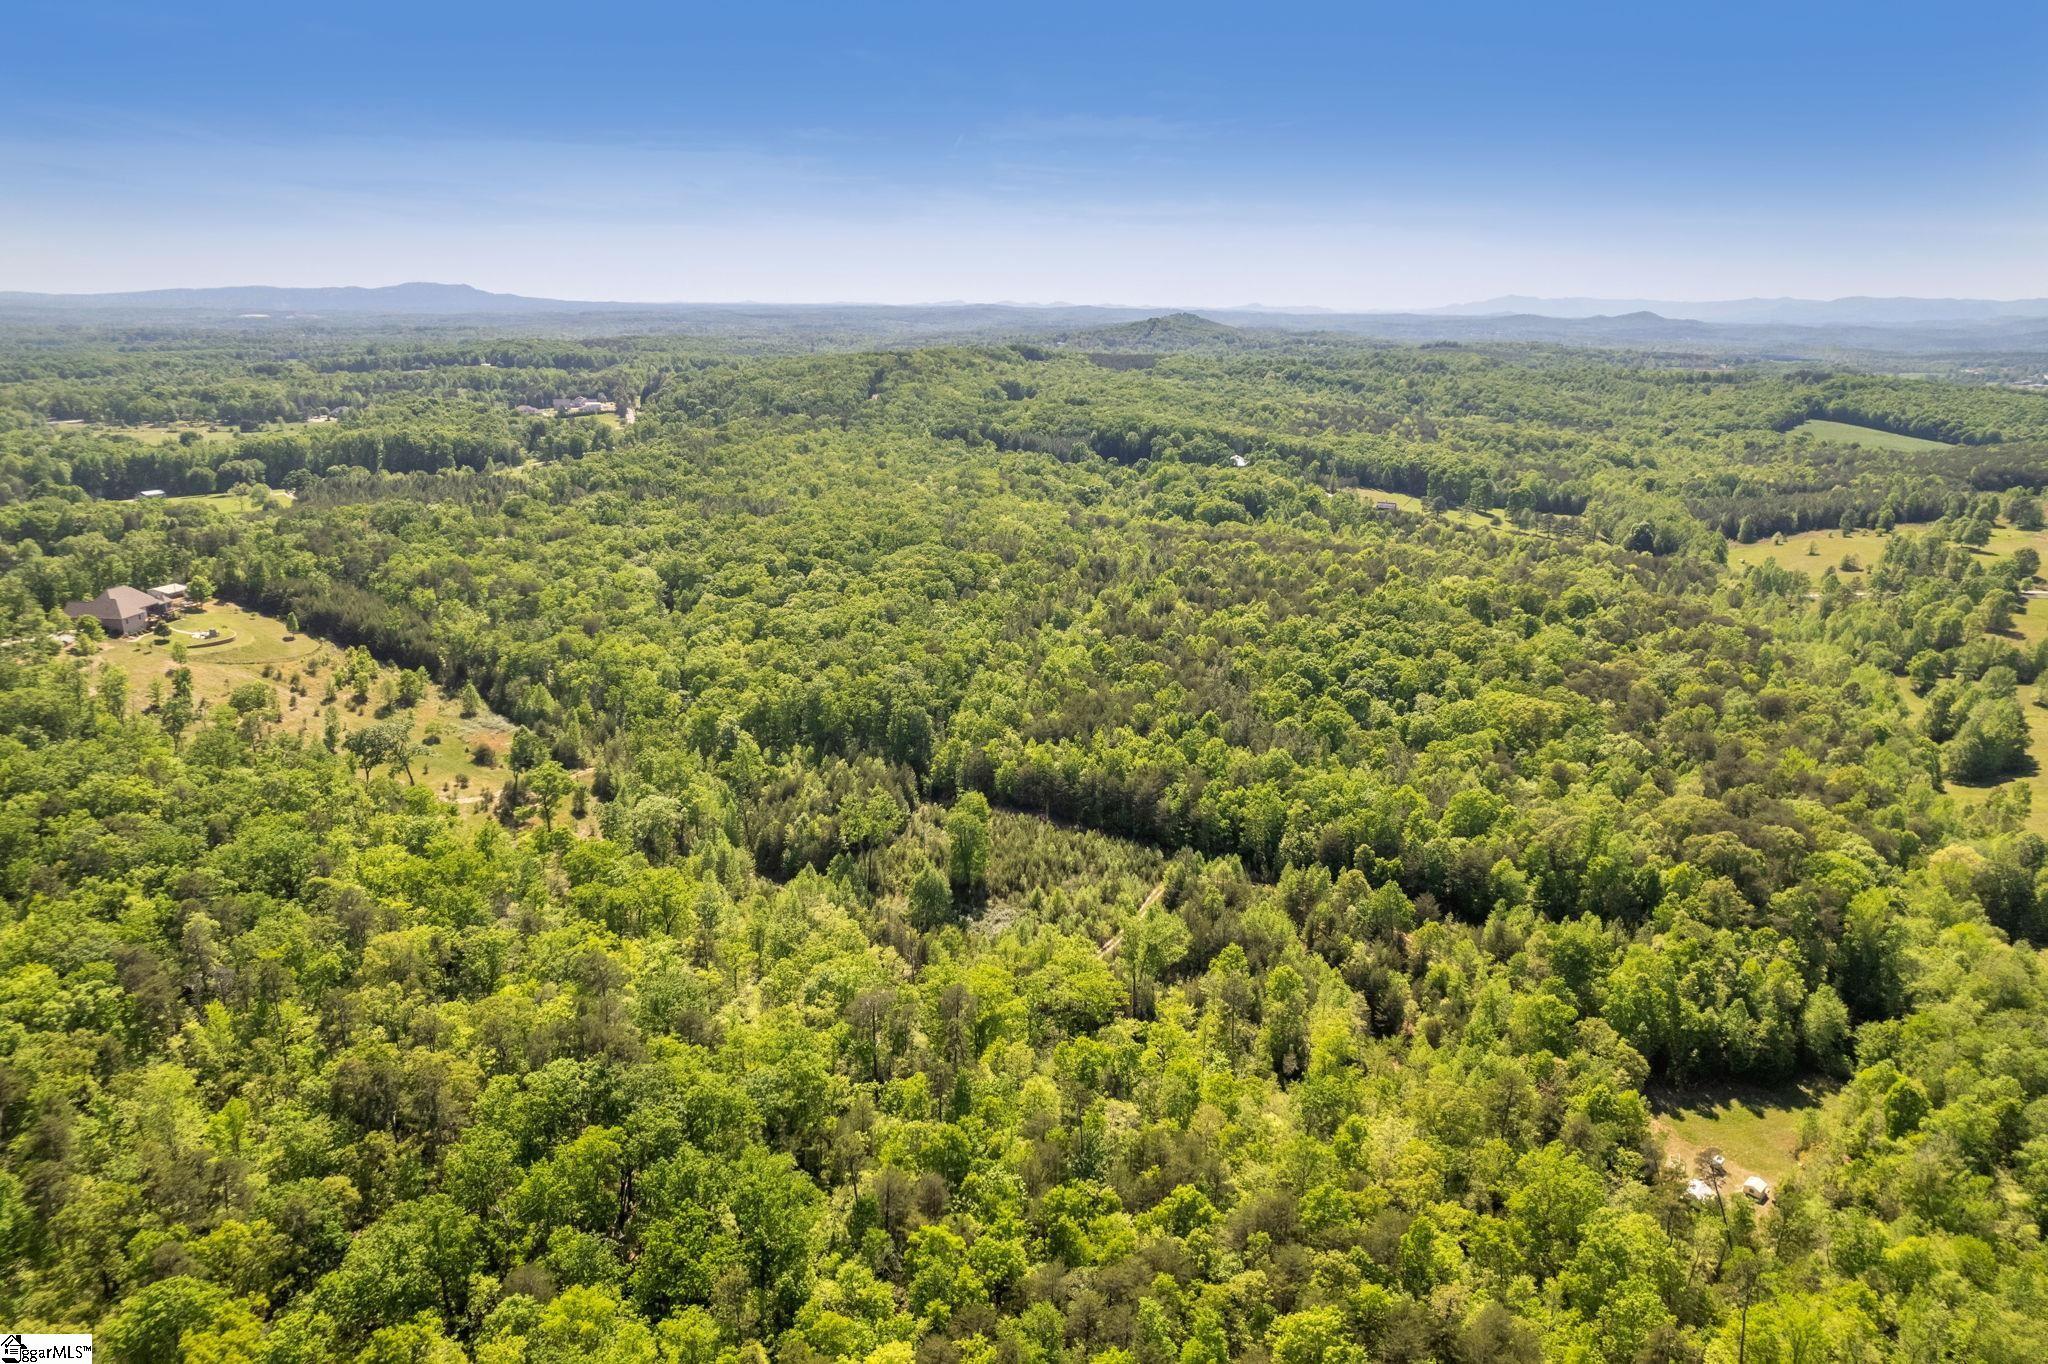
(1246, 305)
(1327, 158)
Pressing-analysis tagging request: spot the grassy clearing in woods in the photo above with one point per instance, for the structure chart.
(1811, 552)
(1754, 1127)
(1869, 437)
(154, 435)
(263, 650)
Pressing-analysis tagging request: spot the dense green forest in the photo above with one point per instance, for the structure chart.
(1022, 854)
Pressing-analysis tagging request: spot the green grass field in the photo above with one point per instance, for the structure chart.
(2007, 540)
(241, 504)
(1407, 502)
(1457, 516)
(1811, 552)
(2029, 626)
(1869, 437)
(153, 434)
(1754, 1127)
(261, 652)
(612, 419)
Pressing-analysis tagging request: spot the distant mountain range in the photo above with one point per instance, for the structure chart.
(463, 300)
(1781, 328)
(1795, 312)
(392, 300)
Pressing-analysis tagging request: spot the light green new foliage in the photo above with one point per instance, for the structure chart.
(1004, 853)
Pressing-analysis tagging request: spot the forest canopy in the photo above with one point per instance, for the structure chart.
(1151, 852)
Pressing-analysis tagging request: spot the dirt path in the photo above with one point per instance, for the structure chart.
(1116, 939)
(1734, 1173)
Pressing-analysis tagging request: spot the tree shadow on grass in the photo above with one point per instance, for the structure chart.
(1718, 1098)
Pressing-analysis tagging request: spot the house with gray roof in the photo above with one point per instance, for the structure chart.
(121, 610)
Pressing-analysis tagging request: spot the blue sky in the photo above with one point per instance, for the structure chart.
(1351, 156)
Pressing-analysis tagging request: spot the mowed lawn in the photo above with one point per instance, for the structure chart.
(1754, 1127)
(1407, 502)
(1869, 437)
(258, 648)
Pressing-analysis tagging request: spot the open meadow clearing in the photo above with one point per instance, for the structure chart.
(1407, 502)
(1869, 437)
(1811, 552)
(1410, 504)
(1756, 1128)
(241, 504)
(163, 433)
(1815, 551)
(300, 671)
